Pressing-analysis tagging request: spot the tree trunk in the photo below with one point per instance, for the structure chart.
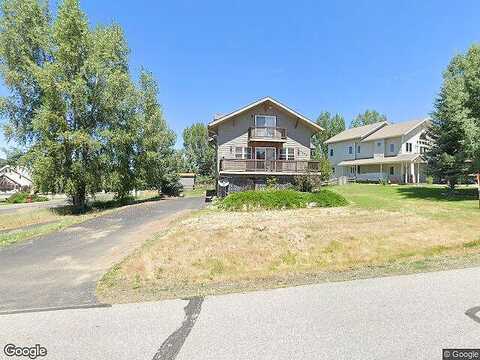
(79, 200)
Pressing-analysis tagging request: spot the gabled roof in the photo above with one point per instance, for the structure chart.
(223, 118)
(356, 132)
(394, 130)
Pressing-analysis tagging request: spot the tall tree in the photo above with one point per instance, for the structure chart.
(455, 119)
(156, 164)
(368, 117)
(332, 125)
(200, 156)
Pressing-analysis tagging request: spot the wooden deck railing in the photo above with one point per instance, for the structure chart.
(266, 133)
(270, 166)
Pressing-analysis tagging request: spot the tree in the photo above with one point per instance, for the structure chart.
(332, 125)
(455, 120)
(74, 107)
(367, 118)
(200, 156)
(156, 163)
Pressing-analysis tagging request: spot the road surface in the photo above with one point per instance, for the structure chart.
(61, 269)
(402, 317)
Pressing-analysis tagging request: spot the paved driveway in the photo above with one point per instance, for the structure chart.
(61, 269)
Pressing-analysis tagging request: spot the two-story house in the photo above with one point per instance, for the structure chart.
(381, 151)
(261, 140)
(14, 179)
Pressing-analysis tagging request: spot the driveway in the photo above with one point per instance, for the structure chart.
(12, 208)
(400, 317)
(62, 268)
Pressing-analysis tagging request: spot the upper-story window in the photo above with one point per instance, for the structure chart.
(358, 149)
(265, 121)
(379, 144)
(408, 147)
(331, 152)
(242, 152)
(350, 150)
(392, 148)
(287, 154)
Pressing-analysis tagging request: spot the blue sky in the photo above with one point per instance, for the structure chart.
(341, 56)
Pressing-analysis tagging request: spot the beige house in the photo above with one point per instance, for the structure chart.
(381, 151)
(13, 179)
(260, 140)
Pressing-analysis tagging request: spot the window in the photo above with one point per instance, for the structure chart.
(333, 170)
(379, 144)
(392, 148)
(331, 152)
(265, 121)
(392, 170)
(358, 149)
(242, 152)
(408, 147)
(287, 154)
(350, 149)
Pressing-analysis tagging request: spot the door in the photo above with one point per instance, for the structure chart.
(266, 157)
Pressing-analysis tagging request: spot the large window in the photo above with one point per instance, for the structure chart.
(265, 121)
(242, 152)
(287, 154)
(392, 148)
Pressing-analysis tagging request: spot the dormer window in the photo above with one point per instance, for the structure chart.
(392, 148)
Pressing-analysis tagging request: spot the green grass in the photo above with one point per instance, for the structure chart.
(280, 199)
(23, 197)
(433, 201)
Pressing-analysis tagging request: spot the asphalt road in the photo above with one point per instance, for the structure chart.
(61, 269)
(12, 208)
(402, 317)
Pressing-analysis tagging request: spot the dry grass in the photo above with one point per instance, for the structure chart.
(216, 249)
(25, 217)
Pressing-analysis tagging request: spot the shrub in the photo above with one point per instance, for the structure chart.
(429, 180)
(23, 197)
(280, 199)
(306, 182)
(272, 182)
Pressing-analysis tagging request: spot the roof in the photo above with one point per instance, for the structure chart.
(394, 130)
(223, 118)
(356, 132)
(381, 160)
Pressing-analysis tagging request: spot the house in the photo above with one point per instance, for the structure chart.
(265, 139)
(14, 179)
(381, 151)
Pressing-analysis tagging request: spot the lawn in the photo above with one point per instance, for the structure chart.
(383, 230)
(25, 223)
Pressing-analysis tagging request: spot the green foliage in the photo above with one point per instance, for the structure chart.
(368, 117)
(199, 154)
(455, 128)
(23, 197)
(333, 124)
(429, 180)
(271, 182)
(74, 107)
(280, 199)
(325, 169)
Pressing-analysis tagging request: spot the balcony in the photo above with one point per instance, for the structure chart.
(272, 167)
(266, 133)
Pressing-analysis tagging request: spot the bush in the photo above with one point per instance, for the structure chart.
(280, 199)
(429, 180)
(306, 182)
(23, 197)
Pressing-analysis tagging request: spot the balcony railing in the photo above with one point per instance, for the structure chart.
(267, 133)
(270, 166)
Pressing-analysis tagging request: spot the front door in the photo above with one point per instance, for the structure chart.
(265, 157)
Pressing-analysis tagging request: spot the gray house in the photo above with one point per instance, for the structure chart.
(261, 140)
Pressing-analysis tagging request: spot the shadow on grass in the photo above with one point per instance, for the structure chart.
(438, 193)
(98, 205)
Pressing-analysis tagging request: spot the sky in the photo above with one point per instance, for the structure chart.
(340, 56)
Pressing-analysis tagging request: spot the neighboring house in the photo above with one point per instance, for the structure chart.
(14, 179)
(381, 151)
(265, 139)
